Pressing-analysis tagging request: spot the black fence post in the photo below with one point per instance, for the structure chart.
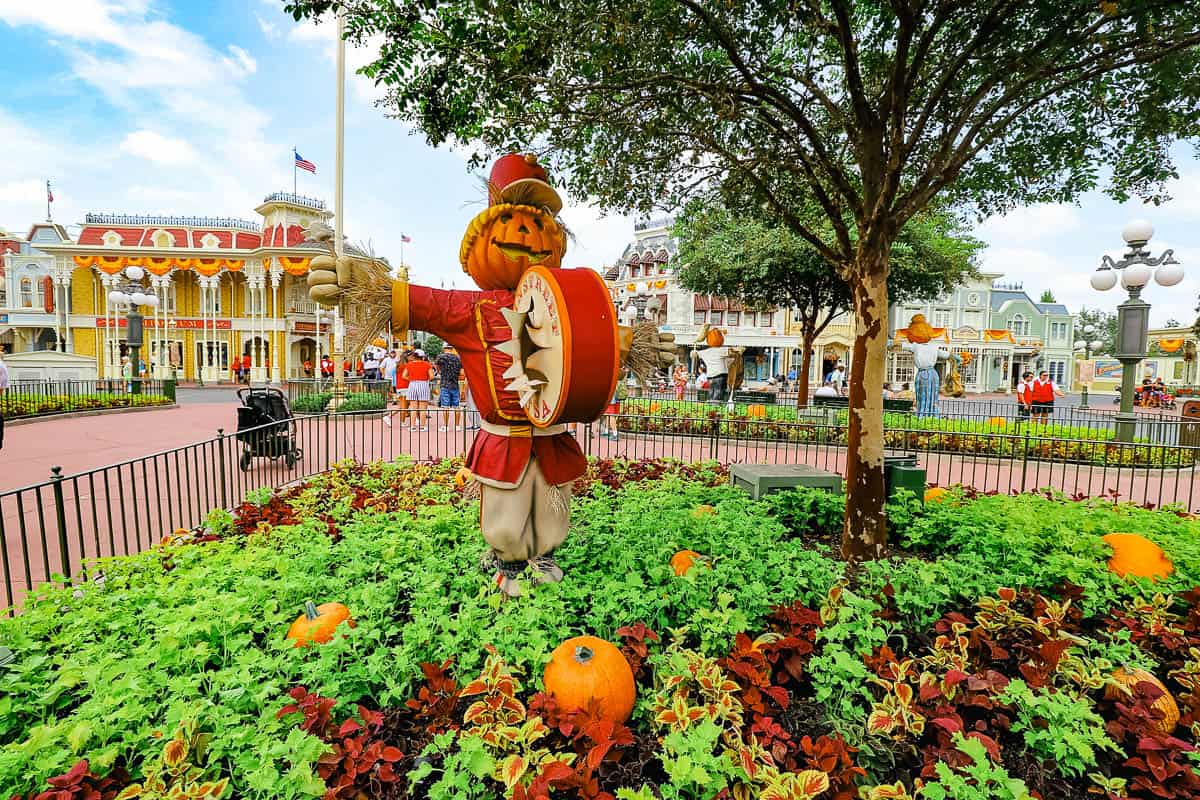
(1025, 458)
(60, 515)
(221, 460)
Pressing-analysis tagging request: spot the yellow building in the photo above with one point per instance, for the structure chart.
(833, 344)
(226, 288)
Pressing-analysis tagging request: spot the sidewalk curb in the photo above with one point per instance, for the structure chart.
(93, 412)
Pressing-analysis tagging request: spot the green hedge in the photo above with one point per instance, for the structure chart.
(19, 404)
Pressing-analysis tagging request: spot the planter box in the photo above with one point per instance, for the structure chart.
(762, 479)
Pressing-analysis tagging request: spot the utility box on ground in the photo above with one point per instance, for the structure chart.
(1189, 427)
(903, 472)
(761, 479)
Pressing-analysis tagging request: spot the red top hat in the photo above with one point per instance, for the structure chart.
(521, 179)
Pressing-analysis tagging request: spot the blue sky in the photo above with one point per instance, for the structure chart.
(150, 106)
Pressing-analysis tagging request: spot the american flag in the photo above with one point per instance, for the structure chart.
(303, 164)
(405, 238)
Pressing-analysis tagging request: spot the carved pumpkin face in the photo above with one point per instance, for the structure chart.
(505, 240)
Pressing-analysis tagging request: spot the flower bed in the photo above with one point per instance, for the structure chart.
(19, 404)
(1000, 439)
(769, 669)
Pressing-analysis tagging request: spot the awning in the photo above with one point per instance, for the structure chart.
(699, 302)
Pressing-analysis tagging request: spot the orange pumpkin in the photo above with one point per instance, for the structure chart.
(714, 337)
(505, 240)
(654, 407)
(1129, 678)
(703, 511)
(684, 560)
(935, 494)
(586, 670)
(997, 422)
(1138, 556)
(318, 623)
(463, 477)
(756, 412)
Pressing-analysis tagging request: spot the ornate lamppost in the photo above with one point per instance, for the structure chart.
(1087, 347)
(130, 296)
(1133, 315)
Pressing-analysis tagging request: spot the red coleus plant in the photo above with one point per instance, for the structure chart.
(436, 703)
(79, 783)
(635, 646)
(597, 742)
(1160, 766)
(835, 758)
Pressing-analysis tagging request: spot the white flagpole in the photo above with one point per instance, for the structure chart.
(339, 384)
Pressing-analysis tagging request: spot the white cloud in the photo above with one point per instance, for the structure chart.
(1033, 222)
(242, 59)
(158, 148)
(269, 29)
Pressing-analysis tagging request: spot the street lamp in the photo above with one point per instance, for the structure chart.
(1133, 315)
(129, 295)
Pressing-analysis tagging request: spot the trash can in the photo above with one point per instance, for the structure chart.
(1189, 425)
(169, 389)
(903, 472)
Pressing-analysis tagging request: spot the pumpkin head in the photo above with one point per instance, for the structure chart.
(714, 337)
(1122, 687)
(505, 240)
(1138, 556)
(935, 494)
(318, 623)
(684, 560)
(586, 670)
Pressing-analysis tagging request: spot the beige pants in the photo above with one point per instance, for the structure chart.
(528, 520)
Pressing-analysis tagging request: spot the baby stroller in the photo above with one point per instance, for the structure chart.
(260, 408)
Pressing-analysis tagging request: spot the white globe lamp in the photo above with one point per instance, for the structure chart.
(135, 273)
(117, 298)
(1096, 344)
(1104, 279)
(1135, 276)
(1138, 230)
(1168, 274)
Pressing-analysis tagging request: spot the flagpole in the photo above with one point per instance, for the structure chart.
(294, 171)
(48, 196)
(339, 382)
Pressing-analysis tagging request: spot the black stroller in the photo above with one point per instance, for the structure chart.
(261, 408)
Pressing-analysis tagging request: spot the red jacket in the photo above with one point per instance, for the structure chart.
(1043, 392)
(472, 322)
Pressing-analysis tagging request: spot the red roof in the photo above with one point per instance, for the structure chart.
(143, 236)
(130, 237)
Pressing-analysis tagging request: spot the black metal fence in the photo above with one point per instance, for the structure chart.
(40, 398)
(60, 526)
(297, 388)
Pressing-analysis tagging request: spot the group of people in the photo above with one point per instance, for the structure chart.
(365, 368)
(1153, 394)
(1035, 396)
(410, 375)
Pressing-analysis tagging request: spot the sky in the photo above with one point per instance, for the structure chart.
(193, 108)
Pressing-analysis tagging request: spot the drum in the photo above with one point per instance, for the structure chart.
(569, 352)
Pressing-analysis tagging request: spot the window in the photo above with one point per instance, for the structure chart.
(27, 289)
(900, 368)
(210, 301)
(699, 317)
(715, 317)
(254, 301)
(1058, 371)
(943, 317)
(735, 319)
(662, 269)
(1019, 325)
(633, 270)
(1058, 331)
(973, 319)
(764, 319)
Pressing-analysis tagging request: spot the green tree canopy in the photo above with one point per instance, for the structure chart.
(840, 119)
(1105, 324)
(1047, 297)
(730, 254)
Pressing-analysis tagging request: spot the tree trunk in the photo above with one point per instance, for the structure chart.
(865, 532)
(805, 366)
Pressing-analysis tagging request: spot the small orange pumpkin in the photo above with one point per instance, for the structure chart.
(714, 337)
(935, 494)
(1138, 556)
(684, 560)
(756, 412)
(463, 477)
(1129, 678)
(584, 670)
(654, 407)
(997, 422)
(318, 623)
(505, 240)
(704, 510)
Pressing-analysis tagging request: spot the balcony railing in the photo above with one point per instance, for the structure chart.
(295, 199)
(187, 222)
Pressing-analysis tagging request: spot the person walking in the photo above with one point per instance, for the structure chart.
(608, 420)
(3, 390)
(449, 368)
(401, 386)
(1044, 392)
(679, 379)
(418, 372)
(387, 368)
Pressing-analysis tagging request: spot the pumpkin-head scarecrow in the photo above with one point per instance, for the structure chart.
(540, 348)
(926, 354)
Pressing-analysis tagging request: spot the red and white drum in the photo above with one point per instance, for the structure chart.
(569, 350)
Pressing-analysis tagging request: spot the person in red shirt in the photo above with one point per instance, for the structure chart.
(525, 472)
(401, 390)
(417, 372)
(246, 367)
(1044, 391)
(1025, 396)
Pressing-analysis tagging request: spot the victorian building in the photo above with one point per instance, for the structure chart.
(997, 331)
(644, 286)
(32, 306)
(226, 288)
